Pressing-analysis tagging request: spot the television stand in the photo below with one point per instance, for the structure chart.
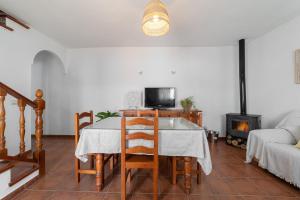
(194, 116)
(158, 108)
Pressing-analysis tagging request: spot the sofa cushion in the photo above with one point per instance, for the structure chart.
(291, 119)
(291, 123)
(294, 130)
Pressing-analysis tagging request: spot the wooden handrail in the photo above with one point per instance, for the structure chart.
(17, 95)
(6, 27)
(38, 106)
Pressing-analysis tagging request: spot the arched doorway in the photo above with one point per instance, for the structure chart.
(48, 74)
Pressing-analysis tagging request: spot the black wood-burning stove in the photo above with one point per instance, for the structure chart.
(238, 125)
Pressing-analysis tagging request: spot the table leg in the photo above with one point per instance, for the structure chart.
(116, 159)
(187, 174)
(99, 171)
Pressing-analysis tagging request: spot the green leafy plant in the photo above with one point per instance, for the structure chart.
(187, 103)
(107, 114)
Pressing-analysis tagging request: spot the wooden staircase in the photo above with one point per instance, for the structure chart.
(16, 168)
(5, 165)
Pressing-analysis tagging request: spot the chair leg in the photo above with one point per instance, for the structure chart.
(123, 182)
(92, 162)
(116, 159)
(155, 183)
(129, 176)
(111, 163)
(198, 173)
(174, 170)
(168, 166)
(77, 167)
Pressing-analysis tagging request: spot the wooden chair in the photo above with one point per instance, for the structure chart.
(146, 113)
(131, 157)
(195, 117)
(176, 171)
(78, 126)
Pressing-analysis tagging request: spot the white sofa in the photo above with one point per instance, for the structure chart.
(275, 148)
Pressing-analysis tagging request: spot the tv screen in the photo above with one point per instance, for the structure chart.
(159, 97)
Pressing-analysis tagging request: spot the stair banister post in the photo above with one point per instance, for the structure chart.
(39, 153)
(3, 150)
(22, 104)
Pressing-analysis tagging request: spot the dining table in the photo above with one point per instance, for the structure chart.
(176, 137)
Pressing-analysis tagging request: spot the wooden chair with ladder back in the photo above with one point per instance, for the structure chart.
(146, 113)
(175, 171)
(139, 157)
(87, 118)
(175, 160)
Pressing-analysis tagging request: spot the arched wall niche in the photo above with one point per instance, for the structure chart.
(49, 74)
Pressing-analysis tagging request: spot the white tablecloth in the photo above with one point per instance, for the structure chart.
(177, 137)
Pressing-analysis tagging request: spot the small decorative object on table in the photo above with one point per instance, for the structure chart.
(107, 114)
(187, 104)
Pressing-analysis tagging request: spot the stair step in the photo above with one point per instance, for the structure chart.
(14, 178)
(5, 165)
(20, 171)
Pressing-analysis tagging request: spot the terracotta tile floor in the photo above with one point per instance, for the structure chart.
(230, 179)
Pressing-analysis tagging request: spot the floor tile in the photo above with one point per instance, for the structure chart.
(34, 195)
(201, 197)
(231, 178)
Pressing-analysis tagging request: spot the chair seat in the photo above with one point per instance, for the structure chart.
(139, 161)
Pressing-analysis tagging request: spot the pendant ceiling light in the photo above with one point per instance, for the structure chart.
(156, 19)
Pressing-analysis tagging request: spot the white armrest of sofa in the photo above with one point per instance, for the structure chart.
(277, 135)
(258, 138)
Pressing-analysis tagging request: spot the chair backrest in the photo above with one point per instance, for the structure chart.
(146, 113)
(140, 135)
(78, 125)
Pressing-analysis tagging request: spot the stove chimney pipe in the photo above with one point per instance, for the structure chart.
(242, 64)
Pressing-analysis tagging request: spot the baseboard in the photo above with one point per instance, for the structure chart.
(56, 136)
(72, 136)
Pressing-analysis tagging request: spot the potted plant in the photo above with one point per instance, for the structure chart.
(187, 104)
(107, 114)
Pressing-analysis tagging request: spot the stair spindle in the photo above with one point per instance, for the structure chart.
(22, 105)
(3, 150)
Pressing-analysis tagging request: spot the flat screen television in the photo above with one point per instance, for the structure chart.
(159, 97)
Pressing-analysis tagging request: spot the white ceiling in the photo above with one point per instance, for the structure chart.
(93, 23)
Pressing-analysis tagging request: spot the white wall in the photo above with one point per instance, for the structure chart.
(270, 73)
(100, 78)
(48, 74)
(17, 50)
